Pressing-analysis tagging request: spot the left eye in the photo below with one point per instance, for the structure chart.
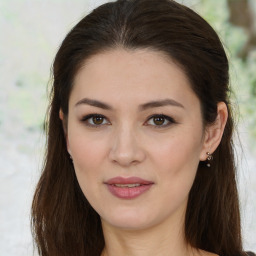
(160, 121)
(95, 120)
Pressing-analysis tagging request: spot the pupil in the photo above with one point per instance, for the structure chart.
(159, 120)
(97, 120)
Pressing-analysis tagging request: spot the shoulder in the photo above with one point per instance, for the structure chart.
(246, 254)
(250, 254)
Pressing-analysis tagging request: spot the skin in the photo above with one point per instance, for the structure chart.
(127, 142)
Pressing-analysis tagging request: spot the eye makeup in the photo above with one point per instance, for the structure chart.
(156, 121)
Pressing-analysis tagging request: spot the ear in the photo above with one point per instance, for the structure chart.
(63, 119)
(214, 132)
(64, 125)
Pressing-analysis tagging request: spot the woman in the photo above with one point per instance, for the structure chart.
(139, 157)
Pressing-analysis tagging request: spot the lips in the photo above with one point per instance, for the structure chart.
(128, 188)
(130, 180)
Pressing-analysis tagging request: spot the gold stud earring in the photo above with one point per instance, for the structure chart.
(209, 158)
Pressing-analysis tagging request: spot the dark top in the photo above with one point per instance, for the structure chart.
(250, 254)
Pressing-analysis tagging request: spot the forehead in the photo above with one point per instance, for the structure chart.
(131, 76)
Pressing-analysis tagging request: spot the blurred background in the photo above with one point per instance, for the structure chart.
(31, 31)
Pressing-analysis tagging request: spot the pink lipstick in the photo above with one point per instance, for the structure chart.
(128, 188)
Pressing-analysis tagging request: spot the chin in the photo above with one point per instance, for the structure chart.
(129, 220)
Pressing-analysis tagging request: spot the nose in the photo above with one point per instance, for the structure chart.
(126, 147)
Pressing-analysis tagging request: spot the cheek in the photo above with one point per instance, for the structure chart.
(88, 149)
(88, 153)
(179, 149)
(87, 160)
(178, 161)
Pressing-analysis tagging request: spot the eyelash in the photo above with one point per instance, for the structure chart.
(168, 118)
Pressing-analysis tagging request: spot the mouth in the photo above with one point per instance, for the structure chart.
(126, 185)
(128, 188)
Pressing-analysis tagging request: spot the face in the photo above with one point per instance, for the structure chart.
(136, 137)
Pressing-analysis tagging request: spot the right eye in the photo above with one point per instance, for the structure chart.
(94, 120)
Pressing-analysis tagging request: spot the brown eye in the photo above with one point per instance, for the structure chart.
(159, 120)
(97, 120)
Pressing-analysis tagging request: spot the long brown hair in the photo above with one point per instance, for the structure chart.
(63, 222)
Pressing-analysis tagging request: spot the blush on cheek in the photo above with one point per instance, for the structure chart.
(88, 166)
(86, 150)
(180, 160)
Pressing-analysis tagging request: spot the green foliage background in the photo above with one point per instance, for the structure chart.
(243, 71)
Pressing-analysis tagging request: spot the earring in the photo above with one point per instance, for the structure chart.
(209, 158)
(70, 157)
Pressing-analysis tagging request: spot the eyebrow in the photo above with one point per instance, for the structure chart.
(145, 106)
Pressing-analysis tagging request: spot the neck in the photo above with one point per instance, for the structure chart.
(164, 239)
